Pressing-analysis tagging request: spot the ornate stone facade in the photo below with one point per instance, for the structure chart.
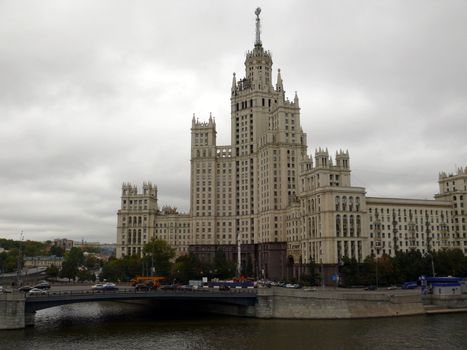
(264, 187)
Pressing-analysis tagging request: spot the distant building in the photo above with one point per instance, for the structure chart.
(43, 261)
(84, 244)
(264, 187)
(65, 244)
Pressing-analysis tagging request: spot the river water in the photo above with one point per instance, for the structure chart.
(122, 326)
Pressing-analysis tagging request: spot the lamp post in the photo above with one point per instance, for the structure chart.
(377, 243)
(239, 255)
(19, 264)
(428, 244)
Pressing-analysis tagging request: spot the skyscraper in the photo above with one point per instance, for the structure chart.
(264, 188)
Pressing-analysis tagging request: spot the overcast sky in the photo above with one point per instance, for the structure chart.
(95, 93)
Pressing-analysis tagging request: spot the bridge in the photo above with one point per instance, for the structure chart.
(240, 297)
(17, 310)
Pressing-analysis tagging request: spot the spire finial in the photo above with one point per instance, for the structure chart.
(258, 27)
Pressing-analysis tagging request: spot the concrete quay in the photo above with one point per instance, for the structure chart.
(336, 304)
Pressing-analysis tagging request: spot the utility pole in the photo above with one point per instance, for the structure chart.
(19, 264)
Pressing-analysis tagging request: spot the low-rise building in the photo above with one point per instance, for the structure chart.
(43, 261)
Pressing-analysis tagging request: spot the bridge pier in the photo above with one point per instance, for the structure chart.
(29, 318)
(12, 314)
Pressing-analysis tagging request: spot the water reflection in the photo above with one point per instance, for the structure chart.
(125, 326)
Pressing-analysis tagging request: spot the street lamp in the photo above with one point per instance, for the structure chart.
(19, 265)
(428, 243)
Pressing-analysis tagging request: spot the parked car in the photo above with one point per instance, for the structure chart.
(25, 288)
(370, 288)
(37, 291)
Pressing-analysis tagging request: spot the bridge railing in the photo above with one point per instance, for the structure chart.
(134, 291)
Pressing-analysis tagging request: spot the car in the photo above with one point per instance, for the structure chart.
(42, 285)
(25, 288)
(97, 286)
(141, 287)
(168, 287)
(4, 290)
(392, 288)
(292, 285)
(410, 285)
(370, 288)
(37, 291)
(109, 287)
(185, 287)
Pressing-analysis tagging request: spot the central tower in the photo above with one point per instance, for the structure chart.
(267, 142)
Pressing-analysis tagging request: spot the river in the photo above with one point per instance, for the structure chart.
(118, 326)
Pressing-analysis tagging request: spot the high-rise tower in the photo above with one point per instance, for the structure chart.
(284, 208)
(268, 142)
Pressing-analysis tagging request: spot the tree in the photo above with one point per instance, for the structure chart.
(159, 253)
(73, 260)
(349, 271)
(122, 269)
(52, 271)
(223, 268)
(56, 250)
(91, 262)
(85, 275)
(188, 267)
(33, 248)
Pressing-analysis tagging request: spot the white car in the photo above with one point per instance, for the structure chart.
(4, 290)
(37, 291)
(98, 286)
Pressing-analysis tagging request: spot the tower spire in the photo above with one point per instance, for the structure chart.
(258, 27)
(279, 85)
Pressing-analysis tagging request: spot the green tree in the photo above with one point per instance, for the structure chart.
(188, 267)
(33, 248)
(9, 260)
(56, 250)
(159, 253)
(91, 262)
(222, 268)
(349, 271)
(52, 271)
(72, 261)
(122, 269)
(85, 275)
(450, 262)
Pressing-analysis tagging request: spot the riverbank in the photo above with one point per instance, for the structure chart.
(336, 304)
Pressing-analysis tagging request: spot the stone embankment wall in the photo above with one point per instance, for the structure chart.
(448, 301)
(12, 311)
(329, 304)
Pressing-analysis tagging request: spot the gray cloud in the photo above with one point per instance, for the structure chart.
(97, 93)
